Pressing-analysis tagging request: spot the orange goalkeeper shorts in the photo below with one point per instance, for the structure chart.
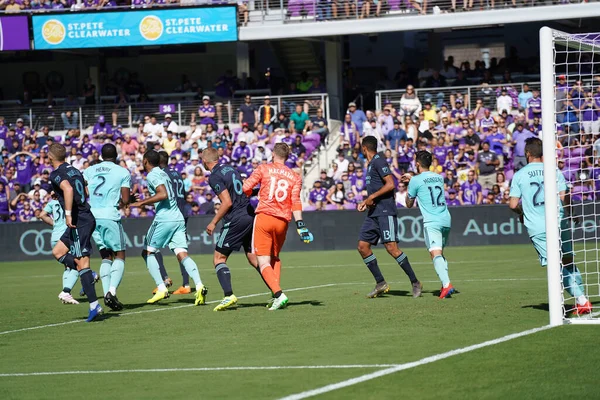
(268, 235)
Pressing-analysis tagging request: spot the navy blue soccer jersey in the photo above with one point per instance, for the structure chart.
(377, 170)
(226, 177)
(178, 188)
(66, 172)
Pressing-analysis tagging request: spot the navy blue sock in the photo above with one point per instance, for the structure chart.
(184, 275)
(402, 260)
(87, 282)
(161, 265)
(371, 262)
(224, 276)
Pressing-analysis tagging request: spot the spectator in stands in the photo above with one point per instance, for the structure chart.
(304, 84)
(206, 112)
(248, 113)
(171, 125)
(534, 106)
(267, 114)
(70, 115)
(101, 130)
(590, 115)
(524, 96)
(410, 105)
(504, 101)
(298, 120)
(519, 136)
(487, 163)
(337, 195)
(394, 136)
(470, 191)
(153, 132)
(121, 106)
(317, 197)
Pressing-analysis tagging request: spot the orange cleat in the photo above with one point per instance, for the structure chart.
(584, 309)
(168, 283)
(183, 290)
(446, 292)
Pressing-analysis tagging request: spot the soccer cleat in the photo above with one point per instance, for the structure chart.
(417, 289)
(168, 283)
(94, 313)
(380, 288)
(227, 302)
(279, 303)
(67, 298)
(183, 290)
(446, 292)
(584, 309)
(112, 302)
(158, 296)
(201, 295)
(270, 303)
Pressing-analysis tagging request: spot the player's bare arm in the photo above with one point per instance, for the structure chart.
(46, 218)
(67, 189)
(161, 194)
(226, 204)
(253, 180)
(386, 188)
(410, 202)
(125, 196)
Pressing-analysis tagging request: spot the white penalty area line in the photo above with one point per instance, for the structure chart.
(402, 367)
(205, 369)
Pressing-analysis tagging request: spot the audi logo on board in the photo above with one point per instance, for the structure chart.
(34, 242)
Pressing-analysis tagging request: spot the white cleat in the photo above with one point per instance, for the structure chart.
(279, 303)
(66, 298)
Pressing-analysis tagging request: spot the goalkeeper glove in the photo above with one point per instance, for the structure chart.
(303, 231)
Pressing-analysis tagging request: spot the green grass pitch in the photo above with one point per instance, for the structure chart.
(329, 322)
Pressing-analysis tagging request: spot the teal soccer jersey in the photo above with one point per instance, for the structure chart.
(166, 210)
(105, 181)
(54, 209)
(528, 185)
(428, 189)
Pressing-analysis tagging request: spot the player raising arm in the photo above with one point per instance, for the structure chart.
(381, 221)
(279, 198)
(528, 186)
(109, 187)
(69, 186)
(428, 188)
(238, 218)
(168, 228)
(57, 222)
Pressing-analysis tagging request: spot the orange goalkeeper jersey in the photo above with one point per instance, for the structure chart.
(279, 193)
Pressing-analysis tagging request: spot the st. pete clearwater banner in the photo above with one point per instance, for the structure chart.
(134, 28)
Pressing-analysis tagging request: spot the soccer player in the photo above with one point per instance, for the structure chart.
(168, 228)
(428, 188)
(69, 186)
(279, 199)
(381, 221)
(238, 218)
(108, 186)
(57, 222)
(528, 186)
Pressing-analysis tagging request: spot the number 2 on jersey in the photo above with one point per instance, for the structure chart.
(278, 189)
(96, 193)
(436, 201)
(540, 187)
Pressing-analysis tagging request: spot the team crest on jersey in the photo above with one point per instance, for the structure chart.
(217, 188)
(57, 179)
(385, 170)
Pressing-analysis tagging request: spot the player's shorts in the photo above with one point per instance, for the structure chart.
(268, 235)
(566, 238)
(235, 234)
(436, 237)
(166, 233)
(375, 228)
(56, 235)
(79, 240)
(109, 235)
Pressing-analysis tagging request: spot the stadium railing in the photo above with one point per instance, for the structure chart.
(180, 105)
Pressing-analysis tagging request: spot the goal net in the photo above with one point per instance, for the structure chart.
(570, 91)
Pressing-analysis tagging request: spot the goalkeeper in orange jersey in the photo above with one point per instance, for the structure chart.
(279, 198)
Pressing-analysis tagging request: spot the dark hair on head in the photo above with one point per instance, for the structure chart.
(109, 152)
(164, 158)
(370, 142)
(152, 157)
(424, 158)
(534, 147)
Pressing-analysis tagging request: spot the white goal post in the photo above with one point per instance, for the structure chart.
(569, 70)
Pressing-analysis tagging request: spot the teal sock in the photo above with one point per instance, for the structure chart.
(152, 266)
(105, 274)
(192, 270)
(116, 274)
(441, 268)
(70, 277)
(572, 281)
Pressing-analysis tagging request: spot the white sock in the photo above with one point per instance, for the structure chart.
(93, 304)
(446, 285)
(162, 287)
(113, 290)
(581, 300)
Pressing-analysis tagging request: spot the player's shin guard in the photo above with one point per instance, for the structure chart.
(268, 275)
(116, 274)
(87, 282)
(105, 274)
(573, 283)
(192, 269)
(152, 265)
(441, 268)
(402, 260)
(184, 275)
(224, 276)
(371, 262)
(70, 277)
